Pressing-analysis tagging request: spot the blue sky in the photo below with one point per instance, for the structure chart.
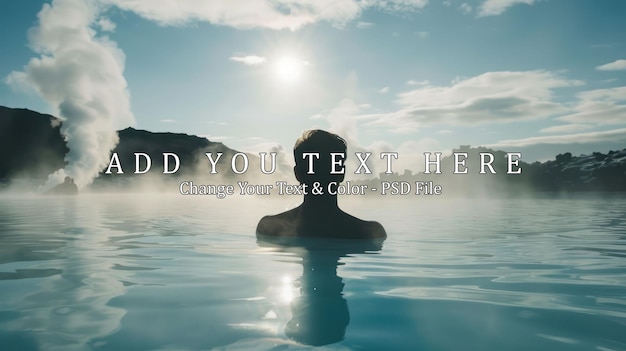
(541, 77)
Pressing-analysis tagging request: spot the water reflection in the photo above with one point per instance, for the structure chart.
(54, 280)
(320, 315)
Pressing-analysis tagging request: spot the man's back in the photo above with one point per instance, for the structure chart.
(331, 224)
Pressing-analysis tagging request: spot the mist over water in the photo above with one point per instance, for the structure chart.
(132, 272)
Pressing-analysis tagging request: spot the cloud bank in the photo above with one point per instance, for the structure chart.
(599, 107)
(493, 97)
(286, 14)
(279, 14)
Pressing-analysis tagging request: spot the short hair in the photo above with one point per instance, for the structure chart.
(317, 140)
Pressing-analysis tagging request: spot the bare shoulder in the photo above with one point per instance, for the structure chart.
(269, 225)
(372, 230)
(366, 229)
(376, 230)
(275, 225)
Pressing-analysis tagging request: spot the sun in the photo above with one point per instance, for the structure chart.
(289, 69)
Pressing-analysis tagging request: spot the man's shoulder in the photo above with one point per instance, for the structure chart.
(365, 229)
(267, 225)
(376, 229)
(372, 229)
(276, 224)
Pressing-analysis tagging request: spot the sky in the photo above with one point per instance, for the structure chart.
(540, 77)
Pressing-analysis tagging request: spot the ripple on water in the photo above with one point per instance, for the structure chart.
(114, 274)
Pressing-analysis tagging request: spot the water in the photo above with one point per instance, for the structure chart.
(178, 273)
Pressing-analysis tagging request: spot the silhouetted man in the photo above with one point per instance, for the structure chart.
(318, 215)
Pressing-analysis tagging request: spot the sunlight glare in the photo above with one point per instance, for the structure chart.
(289, 69)
(287, 289)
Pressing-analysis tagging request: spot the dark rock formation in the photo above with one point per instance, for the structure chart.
(30, 146)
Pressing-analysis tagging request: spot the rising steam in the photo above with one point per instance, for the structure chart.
(80, 74)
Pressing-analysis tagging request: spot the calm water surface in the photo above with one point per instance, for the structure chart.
(173, 273)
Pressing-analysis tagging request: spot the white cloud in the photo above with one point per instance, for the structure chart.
(491, 97)
(19, 81)
(422, 35)
(363, 25)
(384, 90)
(250, 60)
(281, 14)
(497, 7)
(278, 14)
(619, 65)
(417, 82)
(105, 24)
(465, 8)
(168, 120)
(399, 6)
(600, 107)
(565, 128)
(615, 135)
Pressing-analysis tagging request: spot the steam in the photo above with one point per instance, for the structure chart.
(80, 74)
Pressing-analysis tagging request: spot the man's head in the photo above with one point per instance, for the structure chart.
(324, 143)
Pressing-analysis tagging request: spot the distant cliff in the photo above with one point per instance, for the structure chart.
(595, 172)
(30, 146)
(190, 149)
